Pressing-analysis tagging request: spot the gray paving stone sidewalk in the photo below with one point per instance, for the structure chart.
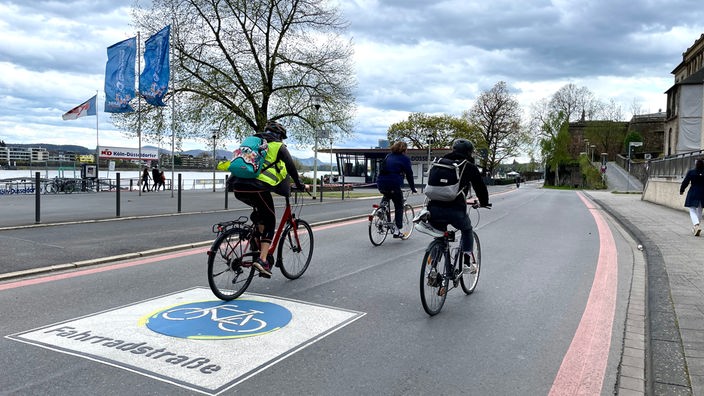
(674, 306)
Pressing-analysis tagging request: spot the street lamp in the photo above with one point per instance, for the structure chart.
(317, 101)
(215, 163)
(630, 146)
(593, 147)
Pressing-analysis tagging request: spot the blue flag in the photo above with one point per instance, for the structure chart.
(119, 76)
(154, 80)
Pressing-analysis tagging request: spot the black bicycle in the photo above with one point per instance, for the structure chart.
(442, 269)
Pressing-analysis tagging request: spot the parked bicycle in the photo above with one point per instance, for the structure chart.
(441, 269)
(381, 223)
(235, 249)
(56, 185)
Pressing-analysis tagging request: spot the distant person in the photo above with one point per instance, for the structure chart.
(156, 178)
(393, 168)
(695, 195)
(518, 181)
(162, 180)
(145, 179)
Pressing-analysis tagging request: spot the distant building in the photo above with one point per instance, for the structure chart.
(684, 124)
(13, 155)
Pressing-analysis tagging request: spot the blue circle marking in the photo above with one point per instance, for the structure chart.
(216, 320)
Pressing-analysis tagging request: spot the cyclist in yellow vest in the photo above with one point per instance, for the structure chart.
(278, 165)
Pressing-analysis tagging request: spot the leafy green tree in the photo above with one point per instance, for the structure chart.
(237, 64)
(443, 129)
(497, 115)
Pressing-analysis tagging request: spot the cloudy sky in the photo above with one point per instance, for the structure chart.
(410, 56)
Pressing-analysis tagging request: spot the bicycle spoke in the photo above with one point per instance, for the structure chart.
(227, 262)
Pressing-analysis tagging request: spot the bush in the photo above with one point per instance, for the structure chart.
(591, 176)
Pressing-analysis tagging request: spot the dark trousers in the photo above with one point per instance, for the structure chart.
(396, 196)
(263, 211)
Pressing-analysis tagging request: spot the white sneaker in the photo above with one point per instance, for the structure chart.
(427, 229)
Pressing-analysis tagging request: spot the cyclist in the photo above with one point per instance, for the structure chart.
(390, 180)
(455, 212)
(257, 192)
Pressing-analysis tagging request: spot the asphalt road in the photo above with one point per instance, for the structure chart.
(540, 252)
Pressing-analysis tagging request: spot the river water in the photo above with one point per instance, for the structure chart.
(189, 179)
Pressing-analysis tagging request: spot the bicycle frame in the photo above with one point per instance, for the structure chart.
(287, 218)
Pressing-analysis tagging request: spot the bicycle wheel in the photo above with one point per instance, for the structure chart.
(69, 187)
(377, 226)
(469, 281)
(432, 281)
(295, 249)
(230, 268)
(408, 215)
(51, 188)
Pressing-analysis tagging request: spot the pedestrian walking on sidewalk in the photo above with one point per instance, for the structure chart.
(695, 195)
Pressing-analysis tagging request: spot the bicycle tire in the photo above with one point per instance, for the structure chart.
(230, 269)
(432, 279)
(69, 187)
(377, 227)
(52, 188)
(408, 215)
(294, 254)
(469, 281)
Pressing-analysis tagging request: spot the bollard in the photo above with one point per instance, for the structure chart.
(322, 187)
(37, 197)
(179, 193)
(226, 193)
(117, 194)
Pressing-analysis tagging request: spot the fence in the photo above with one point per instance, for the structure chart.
(674, 166)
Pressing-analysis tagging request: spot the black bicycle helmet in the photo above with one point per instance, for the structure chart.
(463, 147)
(275, 127)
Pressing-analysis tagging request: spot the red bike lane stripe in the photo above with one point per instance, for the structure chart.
(88, 271)
(584, 366)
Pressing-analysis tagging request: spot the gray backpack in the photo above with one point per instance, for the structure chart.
(444, 178)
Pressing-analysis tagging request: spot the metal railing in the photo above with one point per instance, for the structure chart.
(674, 166)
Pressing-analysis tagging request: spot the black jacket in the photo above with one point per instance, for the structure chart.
(471, 178)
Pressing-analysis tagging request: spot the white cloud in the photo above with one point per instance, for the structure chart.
(410, 56)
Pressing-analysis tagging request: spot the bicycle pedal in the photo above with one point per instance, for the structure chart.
(263, 275)
(442, 291)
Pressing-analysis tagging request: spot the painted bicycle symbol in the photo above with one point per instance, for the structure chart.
(228, 317)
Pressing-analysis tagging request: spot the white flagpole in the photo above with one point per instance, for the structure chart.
(173, 100)
(139, 118)
(97, 141)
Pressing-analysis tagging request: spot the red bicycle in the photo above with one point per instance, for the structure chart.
(235, 249)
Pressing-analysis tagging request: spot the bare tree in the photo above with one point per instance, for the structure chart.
(237, 64)
(574, 102)
(497, 115)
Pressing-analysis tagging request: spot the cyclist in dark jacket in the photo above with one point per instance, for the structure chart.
(695, 195)
(455, 212)
(395, 166)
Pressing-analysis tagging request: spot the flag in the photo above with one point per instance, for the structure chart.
(154, 80)
(119, 76)
(87, 108)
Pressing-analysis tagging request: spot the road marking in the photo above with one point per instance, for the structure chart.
(584, 366)
(209, 362)
(131, 263)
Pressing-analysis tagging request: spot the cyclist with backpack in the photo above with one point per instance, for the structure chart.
(452, 209)
(256, 191)
(390, 180)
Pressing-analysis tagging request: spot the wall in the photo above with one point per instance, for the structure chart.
(665, 192)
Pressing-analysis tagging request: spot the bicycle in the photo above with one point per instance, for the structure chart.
(435, 280)
(58, 184)
(380, 223)
(235, 249)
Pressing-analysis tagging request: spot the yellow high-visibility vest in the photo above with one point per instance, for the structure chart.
(274, 172)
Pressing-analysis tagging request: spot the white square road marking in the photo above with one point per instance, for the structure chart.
(119, 337)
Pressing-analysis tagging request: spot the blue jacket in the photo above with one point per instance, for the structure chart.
(396, 166)
(695, 195)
